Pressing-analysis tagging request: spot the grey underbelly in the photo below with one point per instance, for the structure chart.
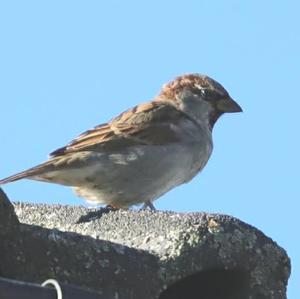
(135, 175)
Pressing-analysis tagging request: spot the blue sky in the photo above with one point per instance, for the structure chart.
(66, 66)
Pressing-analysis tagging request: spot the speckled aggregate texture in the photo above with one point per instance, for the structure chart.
(139, 254)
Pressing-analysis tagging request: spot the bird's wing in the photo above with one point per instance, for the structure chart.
(151, 123)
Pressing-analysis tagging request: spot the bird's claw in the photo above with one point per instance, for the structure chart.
(148, 205)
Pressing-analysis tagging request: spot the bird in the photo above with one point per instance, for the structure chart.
(143, 152)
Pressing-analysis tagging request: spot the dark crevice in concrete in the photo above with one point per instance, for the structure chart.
(210, 284)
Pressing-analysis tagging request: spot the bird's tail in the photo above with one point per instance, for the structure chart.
(31, 172)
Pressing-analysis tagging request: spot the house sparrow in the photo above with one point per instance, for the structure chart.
(145, 151)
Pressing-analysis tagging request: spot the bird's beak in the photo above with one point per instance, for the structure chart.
(229, 105)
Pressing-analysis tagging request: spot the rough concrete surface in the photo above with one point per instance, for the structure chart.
(144, 254)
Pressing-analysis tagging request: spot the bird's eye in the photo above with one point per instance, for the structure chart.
(200, 90)
(207, 94)
(203, 92)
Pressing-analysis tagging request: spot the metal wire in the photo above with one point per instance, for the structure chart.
(56, 285)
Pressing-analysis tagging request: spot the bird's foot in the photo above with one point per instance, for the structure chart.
(148, 205)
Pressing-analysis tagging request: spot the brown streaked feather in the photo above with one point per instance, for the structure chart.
(189, 80)
(149, 123)
(41, 168)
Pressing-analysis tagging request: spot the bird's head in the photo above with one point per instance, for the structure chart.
(200, 97)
